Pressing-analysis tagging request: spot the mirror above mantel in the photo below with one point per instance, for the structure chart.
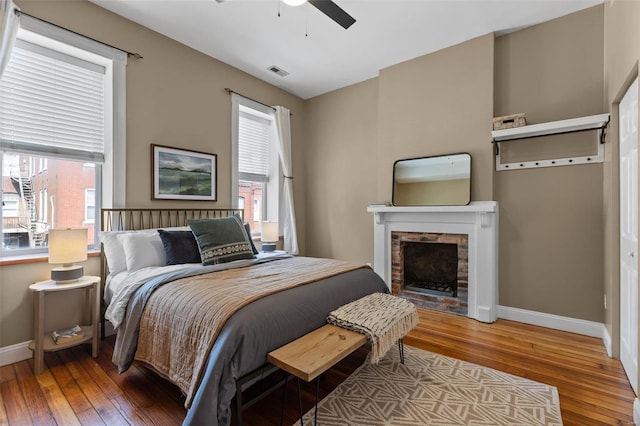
(443, 180)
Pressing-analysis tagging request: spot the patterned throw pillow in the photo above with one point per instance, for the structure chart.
(221, 239)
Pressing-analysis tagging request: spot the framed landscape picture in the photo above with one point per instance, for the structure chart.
(182, 174)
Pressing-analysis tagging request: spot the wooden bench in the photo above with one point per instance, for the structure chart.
(312, 354)
(379, 316)
(316, 352)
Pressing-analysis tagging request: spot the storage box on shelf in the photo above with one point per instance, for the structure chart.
(509, 121)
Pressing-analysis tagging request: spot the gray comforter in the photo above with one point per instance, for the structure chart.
(250, 334)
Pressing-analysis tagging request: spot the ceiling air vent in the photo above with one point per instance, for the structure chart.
(278, 70)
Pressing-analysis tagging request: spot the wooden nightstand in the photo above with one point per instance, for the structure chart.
(42, 341)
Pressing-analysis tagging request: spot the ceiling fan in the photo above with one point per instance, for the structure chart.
(333, 11)
(328, 7)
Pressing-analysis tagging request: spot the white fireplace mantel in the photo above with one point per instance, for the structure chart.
(479, 220)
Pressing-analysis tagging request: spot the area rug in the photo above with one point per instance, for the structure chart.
(431, 389)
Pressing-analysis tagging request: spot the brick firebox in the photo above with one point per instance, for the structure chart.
(457, 305)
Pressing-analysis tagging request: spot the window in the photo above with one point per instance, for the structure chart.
(257, 216)
(257, 176)
(61, 109)
(10, 216)
(90, 205)
(10, 205)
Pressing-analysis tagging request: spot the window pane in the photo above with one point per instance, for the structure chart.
(252, 194)
(253, 147)
(54, 198)
(256, 210)
(90, 205)
(10, 205)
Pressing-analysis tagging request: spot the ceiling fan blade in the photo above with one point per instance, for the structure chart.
(334, 12)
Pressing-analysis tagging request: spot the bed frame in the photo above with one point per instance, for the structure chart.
(129, 219)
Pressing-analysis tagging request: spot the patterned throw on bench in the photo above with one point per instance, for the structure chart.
(383, 318)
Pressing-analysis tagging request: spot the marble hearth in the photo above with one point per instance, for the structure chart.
(474, 228)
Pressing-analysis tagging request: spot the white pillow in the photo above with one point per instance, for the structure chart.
(142, 250)
(114, 252)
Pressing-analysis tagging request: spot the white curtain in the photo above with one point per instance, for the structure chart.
(9, 23)
(283, 131)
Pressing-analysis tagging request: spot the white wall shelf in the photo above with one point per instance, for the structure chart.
(554, 127)
(580, 124)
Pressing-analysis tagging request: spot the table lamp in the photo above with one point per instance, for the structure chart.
(67, 246)
(269, 236)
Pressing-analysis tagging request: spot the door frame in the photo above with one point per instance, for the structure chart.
(634, 376)
(611, 211)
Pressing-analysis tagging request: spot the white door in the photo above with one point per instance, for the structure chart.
(629, 234)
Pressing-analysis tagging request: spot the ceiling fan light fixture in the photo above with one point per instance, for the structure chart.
(294, 2)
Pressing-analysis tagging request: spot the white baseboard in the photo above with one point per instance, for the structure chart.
(636, 411)
(15, 353)
(557, 322)
(20, 351)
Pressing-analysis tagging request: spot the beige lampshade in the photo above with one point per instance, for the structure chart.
(269, 232)
(67, 245)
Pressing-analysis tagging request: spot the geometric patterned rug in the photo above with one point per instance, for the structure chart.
(431, 389)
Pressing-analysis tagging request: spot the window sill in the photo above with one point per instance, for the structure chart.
(33, 258)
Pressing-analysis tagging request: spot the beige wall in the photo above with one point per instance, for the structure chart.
(16, 301)
(621, 55)
(551, 232)
(428, 106)
(440, 103)
(175, 97)
(342, 172)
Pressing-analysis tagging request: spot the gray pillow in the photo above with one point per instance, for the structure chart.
(221, 240)
(253, 246)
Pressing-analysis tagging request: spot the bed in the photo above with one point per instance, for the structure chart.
(207, 324)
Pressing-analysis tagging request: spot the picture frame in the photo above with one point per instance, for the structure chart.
(183, 174)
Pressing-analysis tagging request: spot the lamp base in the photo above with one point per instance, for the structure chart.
(67, 274)
(268, 247)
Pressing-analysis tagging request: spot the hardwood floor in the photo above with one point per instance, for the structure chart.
(76, 389)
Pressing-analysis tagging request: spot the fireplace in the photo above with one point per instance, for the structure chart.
(472, 229)
(430, 270)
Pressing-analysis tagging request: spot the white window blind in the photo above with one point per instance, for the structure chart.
(253, 148)
(52, 104)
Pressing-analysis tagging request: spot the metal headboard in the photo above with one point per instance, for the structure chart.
(130, 219)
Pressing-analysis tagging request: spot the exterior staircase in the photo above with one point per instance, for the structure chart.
(24, 187)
